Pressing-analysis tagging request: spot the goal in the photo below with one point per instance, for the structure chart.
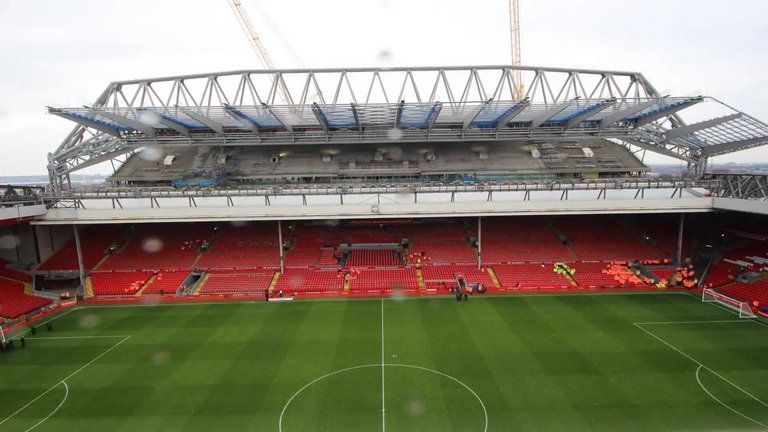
(741, 307)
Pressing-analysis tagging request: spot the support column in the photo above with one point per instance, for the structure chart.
(280, 244)
(479, 242)
(680, 239)
(79, 259)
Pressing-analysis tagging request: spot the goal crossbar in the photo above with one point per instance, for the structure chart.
(709, 295)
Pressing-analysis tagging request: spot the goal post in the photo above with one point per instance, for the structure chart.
(741, 307)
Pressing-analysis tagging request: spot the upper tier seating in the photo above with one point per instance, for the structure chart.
(371, 280)
(520, 240)
(441, 277)
(311, 243)
(118, 283)
(13, 273)
(310, 281)
(306, 247)
(94, 240)
(166, 282)
(443, 243)
(750, 293)
(15, 303)
(243, 246)
(237, 281)
(602, 238)
(663, 229)
(372, 257)
(156, 247)
(529, 276)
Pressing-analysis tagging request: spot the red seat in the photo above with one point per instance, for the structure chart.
(377, 280)
(237, 281)
(310, 281)
(15, 302)
(166, 282)
(437, 277)
(118, 283)
(529, 276)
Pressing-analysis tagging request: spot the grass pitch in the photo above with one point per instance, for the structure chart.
(538, 362)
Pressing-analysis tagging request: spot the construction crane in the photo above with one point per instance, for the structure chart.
(514, 38)
(255, 40)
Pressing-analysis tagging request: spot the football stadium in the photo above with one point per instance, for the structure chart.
(459, 248)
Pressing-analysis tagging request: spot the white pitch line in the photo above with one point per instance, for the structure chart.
(66, 378)
(690, 322)
(698, 379)
(383, 404)
(702, 365)
(66, 394)
(290, 400)
(77, 337)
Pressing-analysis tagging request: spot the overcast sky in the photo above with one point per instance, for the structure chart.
(64, 52)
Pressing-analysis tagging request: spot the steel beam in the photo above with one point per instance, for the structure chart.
(133, 124)
(591, 111)
(205, 120)
(542, 118)
(624, 113)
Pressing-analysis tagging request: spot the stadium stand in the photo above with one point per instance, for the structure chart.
(166, 282)
(119, 283)
(373, 258)
(377, 280)
(94, 241)
(13, 273)
(442, 277)
(602, 238)
(15, 302)
(242, 246)
(310, 281)
(155, 247)
(443, 243)
(755, 293)
(520, 240)
(662, 230)
(237, 281)
(662, 273)
(307, 245)
(529, 276)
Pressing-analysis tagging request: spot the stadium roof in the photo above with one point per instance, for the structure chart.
(348, 106)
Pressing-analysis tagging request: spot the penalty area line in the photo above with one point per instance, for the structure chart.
(703, 366)
(62, 381)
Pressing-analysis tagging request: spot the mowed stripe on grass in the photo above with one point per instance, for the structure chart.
(537, 363)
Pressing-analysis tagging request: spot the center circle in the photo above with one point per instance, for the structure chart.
(417, 398)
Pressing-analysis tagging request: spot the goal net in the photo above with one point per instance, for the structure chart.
(738, 306)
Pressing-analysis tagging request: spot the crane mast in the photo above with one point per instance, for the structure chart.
(514, 37)
(255, 40)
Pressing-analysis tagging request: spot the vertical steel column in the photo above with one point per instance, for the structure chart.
(680, 239)
(479, 242)
(79, 258)
(280, 241)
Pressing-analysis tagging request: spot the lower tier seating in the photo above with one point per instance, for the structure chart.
(529, 276)
(442, 277)
(117, 283)
(166, 282)
(15, 302)
(755, 293)
(375, 280)
(237, 281)
(310, 281)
